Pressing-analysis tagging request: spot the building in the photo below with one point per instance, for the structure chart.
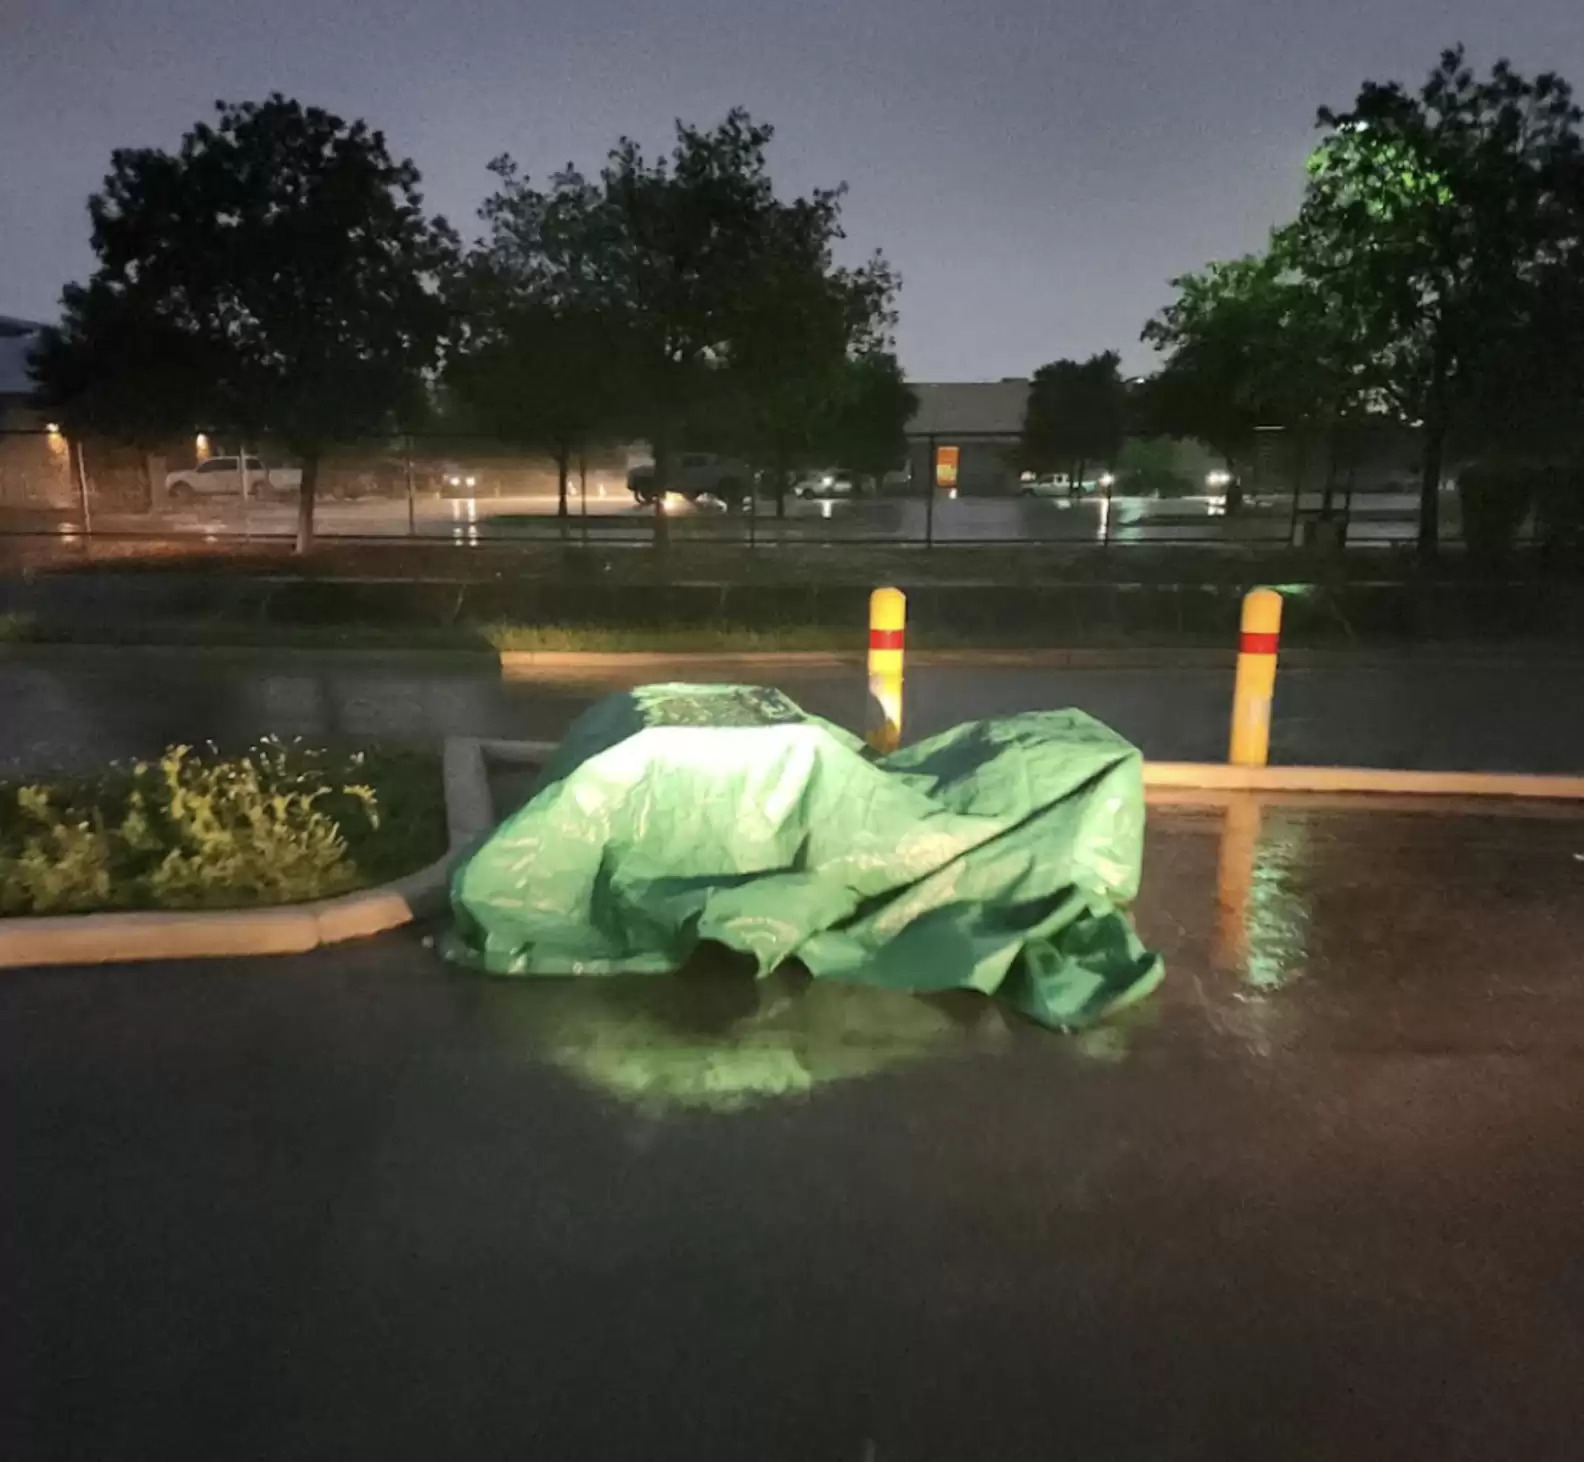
(17, 338)
(35, 470)
(970, 430)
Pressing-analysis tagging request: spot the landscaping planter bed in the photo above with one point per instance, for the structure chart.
(195, 829)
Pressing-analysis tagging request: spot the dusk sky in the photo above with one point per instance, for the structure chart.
(1037, 172)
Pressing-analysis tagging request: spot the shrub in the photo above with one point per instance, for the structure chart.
(278, 824)
(1495, 499)
(1559, 510)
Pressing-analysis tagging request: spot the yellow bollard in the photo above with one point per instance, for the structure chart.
(887, 619)
(1256, 678)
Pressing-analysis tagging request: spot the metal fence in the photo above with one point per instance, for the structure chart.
(469, 491)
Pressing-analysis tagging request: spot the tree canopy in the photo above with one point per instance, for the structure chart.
(278, 276)
(1251, 343)
(866, 432)
(1430, 268)
(1076, 415)
(720, 301)
(1436, 221)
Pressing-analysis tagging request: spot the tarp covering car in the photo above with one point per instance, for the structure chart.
(997, 856)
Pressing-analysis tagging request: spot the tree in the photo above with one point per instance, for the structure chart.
(1075, 416)
(542, 378)
(697, 268)
(1434, 217)
(867, 433)
(113, 371)
(531, 367)
(1252, 342)
(286, 255)
(1519, 431)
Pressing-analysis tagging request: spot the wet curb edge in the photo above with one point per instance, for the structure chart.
(282, 929)
(297, 928)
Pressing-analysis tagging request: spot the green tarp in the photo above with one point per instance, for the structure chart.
(996, 856)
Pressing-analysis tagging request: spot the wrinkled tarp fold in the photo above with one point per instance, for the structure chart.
(996, 856)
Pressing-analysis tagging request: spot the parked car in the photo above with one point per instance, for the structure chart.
(825, 482)
(1057, 484)
(697, 475)
(218, 475)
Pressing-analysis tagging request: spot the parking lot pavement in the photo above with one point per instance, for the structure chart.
(610, 515)
(1318, 1198)
(80, 707)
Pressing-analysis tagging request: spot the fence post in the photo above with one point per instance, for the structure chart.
(1256, 678)
(887, 622)
(932, 487)
(82, 485)
(583, 494)
(247, 496)
(412, 505)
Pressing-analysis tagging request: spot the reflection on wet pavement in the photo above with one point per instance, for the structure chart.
(1286, 918)
(1261, 913)
(714, 1038)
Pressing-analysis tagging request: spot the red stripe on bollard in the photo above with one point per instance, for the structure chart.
(1257, 644)
(885, 639)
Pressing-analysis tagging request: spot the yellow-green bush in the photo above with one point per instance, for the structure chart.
(194, 829)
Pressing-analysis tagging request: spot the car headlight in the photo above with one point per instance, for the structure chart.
(452, 480)
(827, 482)
(472, 482)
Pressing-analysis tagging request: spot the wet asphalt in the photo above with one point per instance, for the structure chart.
(1490, 712)
(1321, 1197)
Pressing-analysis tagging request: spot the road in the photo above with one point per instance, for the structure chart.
(1320, 1197)
(611, 516)
(80, 707)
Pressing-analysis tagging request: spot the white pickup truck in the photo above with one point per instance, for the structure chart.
(226, 475)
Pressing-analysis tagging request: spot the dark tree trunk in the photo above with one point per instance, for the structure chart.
(780, 485)
(1328, 495)
(1430, 491)
(1435, 432)
(154, 476)
(305, 502)
(563, 462)
(662, 482)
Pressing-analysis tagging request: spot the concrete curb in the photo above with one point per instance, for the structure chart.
(1218, 777)
(1189, 657)
(71, 939)
(296, 928)
(527, 663)
(1192, 657)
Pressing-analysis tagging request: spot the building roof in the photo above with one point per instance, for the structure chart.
(16, 340)
(970, 408)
